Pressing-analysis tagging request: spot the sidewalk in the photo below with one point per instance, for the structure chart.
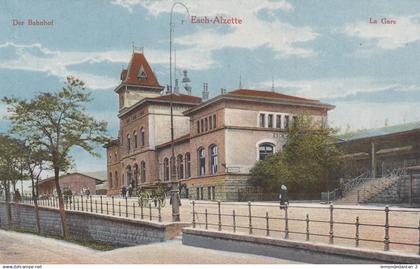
(27, 248)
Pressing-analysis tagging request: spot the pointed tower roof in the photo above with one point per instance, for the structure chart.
(139, 72)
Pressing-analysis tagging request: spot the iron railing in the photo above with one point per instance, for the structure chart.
(110, 206)
(332, 223)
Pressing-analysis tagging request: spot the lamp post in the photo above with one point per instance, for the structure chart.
(174, 189)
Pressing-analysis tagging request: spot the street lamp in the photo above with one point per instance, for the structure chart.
(174, 190)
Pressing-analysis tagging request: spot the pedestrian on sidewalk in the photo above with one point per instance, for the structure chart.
(284, 200)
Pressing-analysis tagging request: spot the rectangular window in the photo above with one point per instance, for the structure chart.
(270, 120)
(208, 193)
(210, 123)
(213, 192)
(202, 125)
(286, 122)
(262, 120)
(198, 126)
(198, 194)
(214, 121)
(278, 121)
(201, 193)
(206, 124)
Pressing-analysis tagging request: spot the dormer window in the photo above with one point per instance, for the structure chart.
(142, 74)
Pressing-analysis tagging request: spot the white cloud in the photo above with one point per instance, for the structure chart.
(328, 88)
(255, 31)
(387, 36)
(35, 57)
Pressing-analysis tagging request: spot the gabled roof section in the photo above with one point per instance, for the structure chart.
(139, 72)
(266, 94)
(246, 95)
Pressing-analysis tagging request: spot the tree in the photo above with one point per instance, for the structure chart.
(33, 160)
(57, 122)
(9, 172)
(308, 162)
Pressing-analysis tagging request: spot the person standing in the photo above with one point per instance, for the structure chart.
(283, 197)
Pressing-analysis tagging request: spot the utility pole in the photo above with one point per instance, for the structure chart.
(175, 199)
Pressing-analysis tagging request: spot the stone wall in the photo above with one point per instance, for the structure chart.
(399, 192)
(307, 252)
(92, 227)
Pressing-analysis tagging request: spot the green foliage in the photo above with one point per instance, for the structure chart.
(308, 162)
(57, 122)
(10, 150)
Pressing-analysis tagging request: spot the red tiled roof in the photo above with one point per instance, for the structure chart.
(266, 94)
(180, 98)
(129, 76)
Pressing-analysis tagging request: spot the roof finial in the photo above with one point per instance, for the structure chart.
(240, 81)
(132, 45)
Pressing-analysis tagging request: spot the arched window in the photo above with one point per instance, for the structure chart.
(143, 172)
(110, 157)
(187, 165)
(265, 149)
(136, 175)
(142, 139)
(180, 166)
(135, 139)
(213, 159)
(166, 169)
(110, 179)
(129, 175)
(128, 143)
(201, 161)
(116, 179)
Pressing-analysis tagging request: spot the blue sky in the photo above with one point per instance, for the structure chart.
(326, 50)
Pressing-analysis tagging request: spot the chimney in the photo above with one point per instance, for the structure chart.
(222, 91)
(176, 88)
(205, 91)
(186, 81)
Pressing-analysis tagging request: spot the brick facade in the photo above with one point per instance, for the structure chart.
(226, 131)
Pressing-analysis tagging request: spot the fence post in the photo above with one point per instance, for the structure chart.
(107, 212)
(87, 204)
(234, 221)
(150, 211)
(357, 231)
(141, 210)
(159, 212)
(219, 215)
(126, 207)
(102, 211)
(419, 238)
(267, 224)
(386, 238)
(113, 206)
(193, 214)
(90, 200)
(331, 241)
(307, 227)
(249, 217)
(134, 210)
(205, 214)
(74, 205)
(119, 208)
(286, 222)
(78, 205)
(96, 206)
